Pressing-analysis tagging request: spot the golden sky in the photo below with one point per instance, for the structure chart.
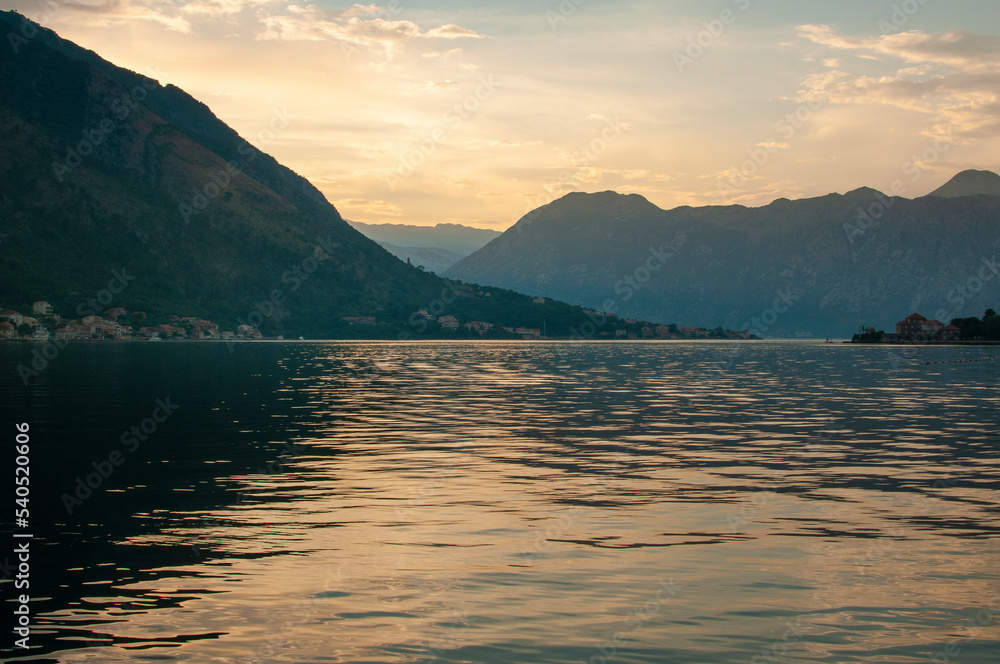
(475, 113)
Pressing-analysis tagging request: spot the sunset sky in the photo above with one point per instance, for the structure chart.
(424, 112)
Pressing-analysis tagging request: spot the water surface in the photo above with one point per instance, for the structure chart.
(514, 502)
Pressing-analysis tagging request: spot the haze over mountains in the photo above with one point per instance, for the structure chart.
(815, 267)
(435, 248)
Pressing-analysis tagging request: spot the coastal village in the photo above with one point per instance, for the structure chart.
(45, 323)
(119, 324)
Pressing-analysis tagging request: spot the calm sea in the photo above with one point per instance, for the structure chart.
(508, 502)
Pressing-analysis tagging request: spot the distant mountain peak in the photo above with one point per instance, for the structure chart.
(583, 201)
(863, 192)
(970, 183)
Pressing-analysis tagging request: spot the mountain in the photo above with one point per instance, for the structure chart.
(454, 238)
(815, 267)
(436, 248)
(431, 259)
(970, 183)
(116, 191)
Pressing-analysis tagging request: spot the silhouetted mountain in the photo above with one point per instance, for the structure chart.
(456, 238)
(117, 191)
(970, 183)
(813, 267)
(435, 248)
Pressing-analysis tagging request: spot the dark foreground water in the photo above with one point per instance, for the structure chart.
(493, 502)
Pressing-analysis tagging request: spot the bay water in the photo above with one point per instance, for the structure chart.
(689, 502)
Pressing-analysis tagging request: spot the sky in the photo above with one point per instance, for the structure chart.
(478, 112)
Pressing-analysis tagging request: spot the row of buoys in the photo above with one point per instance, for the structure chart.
(984, 359)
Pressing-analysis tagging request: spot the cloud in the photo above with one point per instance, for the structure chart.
(443, 54)
(645, 175)
(354, 27)
(451, 31)
(366, 26)
(219, 8)
(411, 88)
(953, 76)
(955, 47)
(115, 12)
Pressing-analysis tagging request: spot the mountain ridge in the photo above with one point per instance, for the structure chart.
(969, 183)
(840, 258)
(458, 238)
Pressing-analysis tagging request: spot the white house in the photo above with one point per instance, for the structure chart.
(41, 308)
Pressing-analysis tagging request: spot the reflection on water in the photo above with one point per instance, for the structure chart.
(493, 502)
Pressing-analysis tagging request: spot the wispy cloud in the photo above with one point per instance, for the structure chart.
(310, 23)
(952, 76)
(368, 26)
(116, 12)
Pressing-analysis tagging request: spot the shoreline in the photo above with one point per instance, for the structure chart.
(982, 342)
